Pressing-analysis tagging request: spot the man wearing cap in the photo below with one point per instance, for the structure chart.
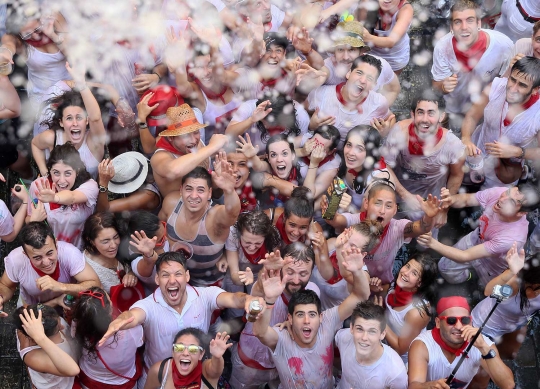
(180, 148)
(434, 354)
(347, 45)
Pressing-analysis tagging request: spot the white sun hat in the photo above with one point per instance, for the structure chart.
(130, 171)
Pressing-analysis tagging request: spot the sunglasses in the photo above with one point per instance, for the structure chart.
(192, 348)
(96, 295)
(452, 320)
(28, 35)
(163, 239)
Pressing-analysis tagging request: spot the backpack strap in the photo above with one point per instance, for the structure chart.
(161, 367)
(208, 384)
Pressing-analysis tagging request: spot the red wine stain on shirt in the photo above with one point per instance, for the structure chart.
(328, 358)
(296, 364)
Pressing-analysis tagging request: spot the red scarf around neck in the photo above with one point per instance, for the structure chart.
(256, 256)
(337, 275)
(164, 144)
(293, 179)
(400, 297)
(210, 94)
(526, 105)
(190, 381)
(363, 216)
(248, 202)
(271, 83)
(340, 98)
(378, 166)
(280, 225)
(42, 41)
(470, 57)
(328, 158)
(436, 333)
(55, 275)
(416, 145)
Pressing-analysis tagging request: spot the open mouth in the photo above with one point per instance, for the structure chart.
(306, 332)
(173, 292)
(76, 134)
(405, 279)
(62, 186)
(281, 168)
(194, 202)
(380, 219)
(191, 148)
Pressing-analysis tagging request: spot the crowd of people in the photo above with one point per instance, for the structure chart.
(213, 193)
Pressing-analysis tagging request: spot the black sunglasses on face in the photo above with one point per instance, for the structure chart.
(452, 320)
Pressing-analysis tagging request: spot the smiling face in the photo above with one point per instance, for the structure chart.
(271, 60)
(74, 122)
(281, 158)
(203, 70)
(465, 27)
(381, 206)
(451, 334)
(426, 119)
(63, 176)
(345, 55)
(45, 258)
(388, 5)
(509, 202)
(240, 169)
(251, 242)
(354, 152)
(361, 81)
(107, 242)
(536, 44)
(298, 274)
(519, 88)
(185, 361)
(367, 336)
(296, 227)
(305, 322)
(410, 276)
(196, 194)
(172, 279)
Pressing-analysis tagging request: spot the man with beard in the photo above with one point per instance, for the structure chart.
(180, 148)
(424, 156)
(434, 354)
(511, 127)
(304, 356)
(174, 305)
(252, 360)
(467, 59)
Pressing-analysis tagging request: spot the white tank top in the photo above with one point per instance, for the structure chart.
(397, 56)
(44, 70)
(218, 116)
(87, 157)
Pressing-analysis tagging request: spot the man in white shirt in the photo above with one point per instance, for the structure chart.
(517, 18)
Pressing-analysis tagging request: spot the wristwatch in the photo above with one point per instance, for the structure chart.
(102, 189)
(491, 354)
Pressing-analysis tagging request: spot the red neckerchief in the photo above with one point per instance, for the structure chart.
(363, 216)
(285, 299)
(337, 275)
(470, 57)
(255, 257)
(436, 333)
(248, 202)
(268, 26)
(526, 105)
(164, 144)
(416, 145)
(212, 95)
(272, 82)
(400, 297)
(55, 275)
(53, 206)
(378, 166)
(280, 225)
(293, 179)
(328, 158)
(340, 98)
(190, 381)
(44, 40)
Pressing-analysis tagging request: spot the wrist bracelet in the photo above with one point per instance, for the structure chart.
(152, 255)
(267, 303)
(5, 48)
(143, 125)
(308, 53)
(81, 89)
(24, 203)
(158, 76)
(522, 155)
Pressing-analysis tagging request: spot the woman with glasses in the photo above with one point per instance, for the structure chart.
(186, 369)
(114, 363)
(45, 346)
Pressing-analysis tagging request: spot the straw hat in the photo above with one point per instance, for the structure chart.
(349, 33)
(130, 170)
(182, 121)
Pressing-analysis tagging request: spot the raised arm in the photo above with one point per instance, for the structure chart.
(225, 215)
(353, 262)
(46, 194)
(471, 120)
(10, 104)
(125, 321)
(215, 365)
(516, 261)
(7, 290)
(431, 208)
(456, 255)
(40, 143)
(239, 128)
(460, 200)
(404, 18)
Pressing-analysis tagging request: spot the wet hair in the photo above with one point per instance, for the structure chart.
(370, 60)
(532, 197)
(171, 256)
(195, 332)
(536, 27)
(329, 132)
(299, 252)
(68, 155)
(34, 234)
(276, 39)
(428, 95)
(368, 310)
(199, 172)
(143, 221)
(94, 225)
(57, 105)
(19, 14)
(530, 67)
(378, 185)
(370, 229)
(372, 142)
(300, 204)
(463, 5)
(258, 223)
(303, 297)
(529, 275)
(278, 138)
(283, 113)
(49, 318)
(92, 319)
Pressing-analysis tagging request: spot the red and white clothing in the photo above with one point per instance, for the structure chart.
(512, 23)
(308, 367)
(108, 277)
(303, 163)
(334, 78)
(20, 271)
(7, 223)
(496, 235)
(377, 375)
(67, 221)
(327, 99)
(439, 367)
(250, 85)
(380, 263)
(119, 354)
(521, 131)
(90, 161)
(470, 84)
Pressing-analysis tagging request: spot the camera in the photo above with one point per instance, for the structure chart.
(501, 292)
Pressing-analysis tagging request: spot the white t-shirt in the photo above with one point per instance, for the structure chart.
(163, 322)
(325, 98)
(308, 367)
(67, 221)
(511, 22)
(20, 271)
(470, 84)
(334, 78)
(7, 223)
(378, 375)
(119, 354)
